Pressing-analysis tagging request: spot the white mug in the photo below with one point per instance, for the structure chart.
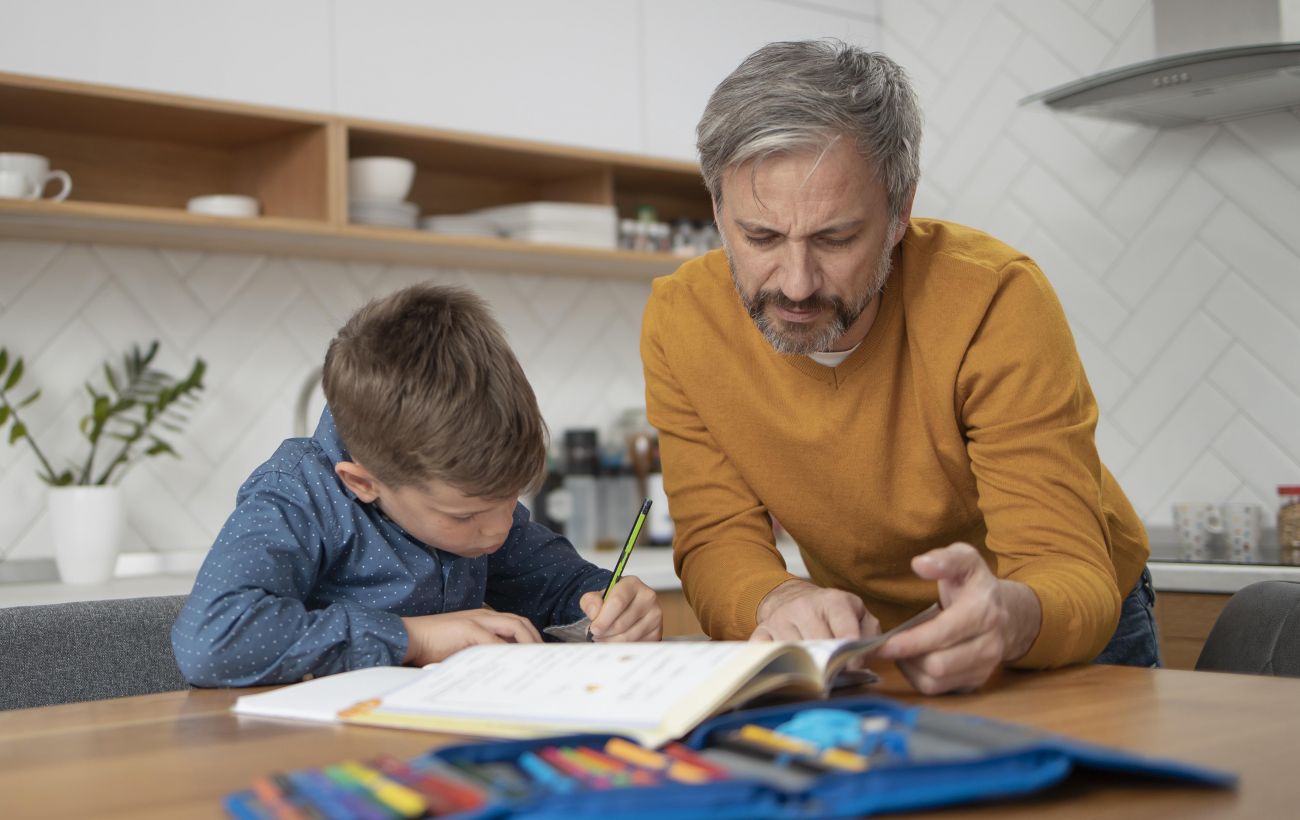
(1242, 522)
(24, 176)
(1197, 522)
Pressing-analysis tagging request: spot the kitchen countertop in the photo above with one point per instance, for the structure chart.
(146, 574)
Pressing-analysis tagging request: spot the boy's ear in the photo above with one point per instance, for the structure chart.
(358, 479)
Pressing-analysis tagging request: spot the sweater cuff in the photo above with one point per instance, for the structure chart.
(750, 593)
(1078, 620)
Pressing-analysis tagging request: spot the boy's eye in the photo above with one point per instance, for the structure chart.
(464, 518)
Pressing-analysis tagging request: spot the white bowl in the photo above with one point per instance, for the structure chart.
(380, 179)
(223, 205)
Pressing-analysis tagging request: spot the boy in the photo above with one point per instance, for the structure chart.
(402, 504)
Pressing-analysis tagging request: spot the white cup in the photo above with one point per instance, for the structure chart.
(1242, 523)
(380, 179)
(24, 176)
(1197, 522)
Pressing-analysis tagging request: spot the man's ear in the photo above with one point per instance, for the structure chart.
(358, 479)
(904, 217)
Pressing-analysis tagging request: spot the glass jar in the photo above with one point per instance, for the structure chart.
(1288, 523)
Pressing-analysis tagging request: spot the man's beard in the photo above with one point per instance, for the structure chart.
(803, 338)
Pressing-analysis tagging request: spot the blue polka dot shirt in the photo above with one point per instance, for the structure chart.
(304, 579)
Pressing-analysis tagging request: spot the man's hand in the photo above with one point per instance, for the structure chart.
(798, 610)
(432, 638)
(985, 621)
(630, 613)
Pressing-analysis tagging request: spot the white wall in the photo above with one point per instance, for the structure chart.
(623, 75)
(1176, 252)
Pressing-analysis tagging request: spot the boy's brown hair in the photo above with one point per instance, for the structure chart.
(423, 385)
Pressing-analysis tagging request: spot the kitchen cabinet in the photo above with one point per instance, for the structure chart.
(1185, 620)
(136, 158)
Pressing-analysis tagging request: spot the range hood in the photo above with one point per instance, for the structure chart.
(1219, 61)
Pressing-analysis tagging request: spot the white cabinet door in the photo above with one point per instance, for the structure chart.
(691, 46)
(269, 53)
(565, 71)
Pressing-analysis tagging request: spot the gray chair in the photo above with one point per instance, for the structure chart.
(1258, 632)
(87, 650)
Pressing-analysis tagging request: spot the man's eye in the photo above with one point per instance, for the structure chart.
(760, 241)
(835, 242)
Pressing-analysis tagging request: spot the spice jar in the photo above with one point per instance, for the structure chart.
(1288, 523)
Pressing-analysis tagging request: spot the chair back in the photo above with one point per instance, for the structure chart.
(87, 650)
(1257, 633)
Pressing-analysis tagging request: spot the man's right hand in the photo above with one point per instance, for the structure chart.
(432, 638)
(798, 610)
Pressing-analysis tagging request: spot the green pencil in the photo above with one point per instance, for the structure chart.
(627, 547)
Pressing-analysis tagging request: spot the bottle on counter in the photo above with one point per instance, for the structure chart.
(581, 464)
(1288, 523)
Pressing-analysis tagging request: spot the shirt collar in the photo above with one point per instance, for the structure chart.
(327, 438)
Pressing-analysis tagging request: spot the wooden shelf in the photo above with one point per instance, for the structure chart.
(169, 228)
(136, 158)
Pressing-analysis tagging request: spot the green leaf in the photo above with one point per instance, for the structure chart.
(17, 431)
(4, 360)
(4, 415)
(33, 397)
(100, 411)
(14, 375)
(159, 447)
(112, 378)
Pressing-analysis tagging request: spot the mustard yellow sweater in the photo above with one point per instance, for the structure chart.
(965, 415)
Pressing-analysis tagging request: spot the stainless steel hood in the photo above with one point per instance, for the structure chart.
(1245, 73)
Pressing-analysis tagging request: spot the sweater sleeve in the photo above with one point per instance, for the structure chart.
(723, 547)
(1029, 418)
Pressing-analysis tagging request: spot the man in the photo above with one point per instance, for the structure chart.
(903, 395)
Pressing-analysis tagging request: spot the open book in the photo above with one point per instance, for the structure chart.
(652, 692)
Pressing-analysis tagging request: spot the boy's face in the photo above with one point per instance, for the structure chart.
(436, 512)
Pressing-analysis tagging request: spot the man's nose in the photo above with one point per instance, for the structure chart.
(799, 278)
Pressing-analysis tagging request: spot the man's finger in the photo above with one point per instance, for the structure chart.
(950, 627)
(952, 562)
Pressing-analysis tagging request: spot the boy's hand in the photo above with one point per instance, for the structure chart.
(432, 638)
(630, 613)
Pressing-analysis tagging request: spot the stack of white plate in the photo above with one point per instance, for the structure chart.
(386, 214)
(561, 223)
(460, 225)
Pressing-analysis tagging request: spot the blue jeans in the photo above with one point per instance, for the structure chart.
(1134, 642)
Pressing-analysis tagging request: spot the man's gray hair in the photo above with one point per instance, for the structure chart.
(801, 95)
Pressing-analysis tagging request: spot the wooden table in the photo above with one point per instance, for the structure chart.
(177, 754)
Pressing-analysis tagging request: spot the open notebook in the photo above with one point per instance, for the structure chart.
(649, 691)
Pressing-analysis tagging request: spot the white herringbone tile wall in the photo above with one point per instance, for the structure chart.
(1176, 252)
(262, 324)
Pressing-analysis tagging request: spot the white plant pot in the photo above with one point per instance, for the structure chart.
(88, 524)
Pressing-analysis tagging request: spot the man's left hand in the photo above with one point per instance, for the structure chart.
(985, 621)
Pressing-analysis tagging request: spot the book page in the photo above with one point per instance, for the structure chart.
(831, 656)
(323, 698)
(616, 685)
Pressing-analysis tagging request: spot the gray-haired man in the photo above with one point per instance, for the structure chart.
(903, 395)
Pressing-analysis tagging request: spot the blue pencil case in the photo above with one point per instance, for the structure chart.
(927, 759)
(899, 757)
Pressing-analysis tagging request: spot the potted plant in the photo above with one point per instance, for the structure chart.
(126, 424)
